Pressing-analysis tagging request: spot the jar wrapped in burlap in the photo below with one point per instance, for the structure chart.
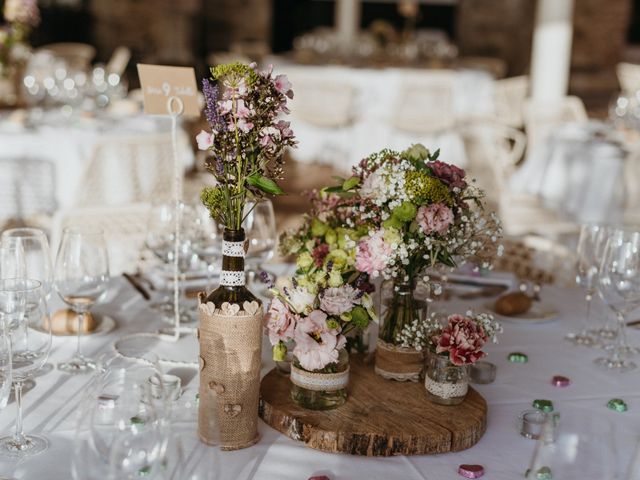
(230, 356)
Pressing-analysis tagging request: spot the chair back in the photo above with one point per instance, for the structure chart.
(77, 55)
(509, 97)
(628, 77)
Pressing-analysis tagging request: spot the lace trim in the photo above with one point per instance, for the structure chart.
(232, 249)
(328, 382)
(232, 279)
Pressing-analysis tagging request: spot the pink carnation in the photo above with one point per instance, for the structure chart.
(316, 345)
(339, 300)
(463, 340)
(435, 218)
(280, 322)
(449, 174)
(373, 254)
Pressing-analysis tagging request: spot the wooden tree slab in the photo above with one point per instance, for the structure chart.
(381, 417)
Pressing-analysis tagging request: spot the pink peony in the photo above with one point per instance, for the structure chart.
(280, 322)
(282, 84)
(336, 301)
(373, 254)
(463, 340)
(449, 174)
(316, 346)
(205, 140)
(435, 218)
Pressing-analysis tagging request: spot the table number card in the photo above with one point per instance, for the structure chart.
(159, 83)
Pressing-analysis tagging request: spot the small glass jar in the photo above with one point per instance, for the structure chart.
(323, 389)
(446, 383)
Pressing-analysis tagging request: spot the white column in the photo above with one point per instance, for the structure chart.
(551, 55)
(347, 20)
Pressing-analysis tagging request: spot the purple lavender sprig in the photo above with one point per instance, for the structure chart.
(210, 92)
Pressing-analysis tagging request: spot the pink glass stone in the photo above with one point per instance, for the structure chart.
(560, 381)
(471, 471)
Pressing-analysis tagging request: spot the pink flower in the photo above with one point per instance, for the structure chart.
(241, 110)
(205, 140)
(435, 218)
(225, 106)
(282, 84)
(244, 126)
(371, 186)
(336, 301)
(285, 130)
(463, 339)
(373, 254)
(449, 174)
(316, 346)
(280, 322)
(319, 254)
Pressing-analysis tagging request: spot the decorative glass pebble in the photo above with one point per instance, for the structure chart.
(617, 404)
(543, 405)
(518, 357)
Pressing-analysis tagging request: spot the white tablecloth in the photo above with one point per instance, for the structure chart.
(70, 143)
(377, 99)
(576, 173)
(51, 406)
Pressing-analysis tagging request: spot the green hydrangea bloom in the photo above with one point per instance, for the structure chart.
(359, 317)
(425, 189)
(405, 212)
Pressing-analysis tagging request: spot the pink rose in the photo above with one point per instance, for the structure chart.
(373, 254)
(435, 218)
(449, 174)
(280, 322)
(463, 340)
(205, 140)
(282, 84)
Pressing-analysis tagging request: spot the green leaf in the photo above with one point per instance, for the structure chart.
(435, 155)
(336, 189)
(265, 184)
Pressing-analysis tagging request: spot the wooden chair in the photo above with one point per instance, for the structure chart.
(509, 95)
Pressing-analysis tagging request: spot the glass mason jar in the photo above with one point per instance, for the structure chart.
(446, 383)
(401, 309)
(322, 389)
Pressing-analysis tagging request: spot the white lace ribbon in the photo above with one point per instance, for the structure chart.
(232, 249)
(329, 382)
(232, 278)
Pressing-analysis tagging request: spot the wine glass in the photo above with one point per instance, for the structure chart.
(34, 246)
(6, 376)
(206, 241)
(122, 429)
(574, 445)
(587, 266)
(260, 229)
(23, 301)
(619, 288)
(81, 278)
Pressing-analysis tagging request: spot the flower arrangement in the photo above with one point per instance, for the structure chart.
(418, 212)
(316, 319)
(20, 16)
(247, 138)
(461, 339)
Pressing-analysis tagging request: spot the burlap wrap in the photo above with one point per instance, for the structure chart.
(398, 363)
(230, 355)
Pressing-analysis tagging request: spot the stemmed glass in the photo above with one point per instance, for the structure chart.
(206, 242)
(260, 229)
(619, 288)
(573, 446)
(587, 266)
(6, 375)
(81, 278)
(24, 302)
(34, 246)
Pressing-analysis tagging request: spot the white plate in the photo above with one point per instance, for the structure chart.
(105, 325)
(539, 312)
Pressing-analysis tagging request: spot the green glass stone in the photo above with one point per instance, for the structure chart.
(144, 471)
(617, 404)
(137, 420)
(518, 357)
(544, 473)
(197, 398)
(545, 406)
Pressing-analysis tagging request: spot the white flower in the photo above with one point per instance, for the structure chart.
(301, 300)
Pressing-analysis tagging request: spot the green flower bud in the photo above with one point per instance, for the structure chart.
(335, 278)
(320, 278)
(338, 257)
(332, 324)
(346, 317)
(350, 183)
(405, 212)
(392, 235)
(392, 222)
(318, 228)
(359, 317)
(304, 261)
(330, 236)
(416, 152)
(279, 352)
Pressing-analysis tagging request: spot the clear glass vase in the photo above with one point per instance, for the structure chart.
(322, 389)
(446, 383)
(401, 310)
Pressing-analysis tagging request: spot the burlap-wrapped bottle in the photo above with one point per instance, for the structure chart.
(230, 337)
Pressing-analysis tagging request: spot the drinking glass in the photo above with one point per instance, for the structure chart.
(619, 287)
(81, 278)
(34, 246)
(122, 429)
(573, 445)
(587, 266)
(260, 228)
(6, 376)
(24, 302)
(207, 242)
